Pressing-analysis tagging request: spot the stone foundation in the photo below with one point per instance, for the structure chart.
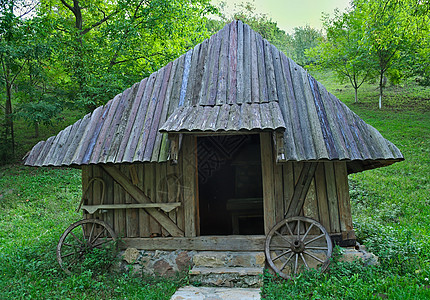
(214, 268)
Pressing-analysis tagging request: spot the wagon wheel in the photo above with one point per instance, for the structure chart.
(297, 243)
(80, 240)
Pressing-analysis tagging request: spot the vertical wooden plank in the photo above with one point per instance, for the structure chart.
(86, 177)
(240, 67)
(162, 188)
(255, 88)
(189, 152)
(332, 197)
(108, 198)
(343, 196)
(232, 64)
(143, 215)
(288, 176)
(297, 169)
(173, 189)
(180, 212)
(130, 216)
(267, 173)
(97, 191)
(310, 207)
(321, 192)
(247, 64)
(279, 191)
(154, 226)
(119, 214)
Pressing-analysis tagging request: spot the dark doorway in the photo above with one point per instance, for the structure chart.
(230, 185)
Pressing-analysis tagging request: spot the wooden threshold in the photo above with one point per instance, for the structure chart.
(215, 243)
(200, 243)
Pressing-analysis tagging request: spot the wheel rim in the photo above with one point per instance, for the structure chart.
(298, 243)
(82, 238)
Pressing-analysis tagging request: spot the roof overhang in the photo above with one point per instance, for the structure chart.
(225, 119)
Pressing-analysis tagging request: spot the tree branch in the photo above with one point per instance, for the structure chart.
(86, 30)
(71, 8)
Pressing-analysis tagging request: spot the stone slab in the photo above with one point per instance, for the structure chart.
(237, 270)
(212, 293)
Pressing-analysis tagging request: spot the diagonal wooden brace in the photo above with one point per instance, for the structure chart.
(301, 189)
(140, 197)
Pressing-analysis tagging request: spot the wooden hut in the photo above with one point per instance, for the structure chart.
(209, 152)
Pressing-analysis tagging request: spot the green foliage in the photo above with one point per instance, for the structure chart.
(343, 50)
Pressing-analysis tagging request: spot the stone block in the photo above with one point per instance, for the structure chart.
(131, 255)
(210, 259)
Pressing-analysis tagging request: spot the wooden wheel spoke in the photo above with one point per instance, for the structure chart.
(307, 231)
(101, 243)
(68, 254)
(317, 248)
(283, 237)
(76, 238)
(289, 229)
(313, 256)
(91, 232)
(286, 262)
(296, 263)
(97, 237)
(282, 254)
(314, 239)
(304, 261)
(298, 229)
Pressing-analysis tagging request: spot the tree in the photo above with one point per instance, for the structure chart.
(110, 45)
(389, 31)
(16, 50)
(304, 38)
(343, 50)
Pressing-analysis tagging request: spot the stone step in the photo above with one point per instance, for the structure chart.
(227, 276)
(213, 259)
(205, 293)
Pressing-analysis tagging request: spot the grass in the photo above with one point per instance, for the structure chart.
(391, 214)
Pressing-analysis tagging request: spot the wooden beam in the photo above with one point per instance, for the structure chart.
(140, 197)
(202, 243)
(205, 243)
(301, 189)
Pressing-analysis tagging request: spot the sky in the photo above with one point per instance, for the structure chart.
(293, 13)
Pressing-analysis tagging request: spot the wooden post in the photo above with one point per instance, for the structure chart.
(189, 164)
(267, 163)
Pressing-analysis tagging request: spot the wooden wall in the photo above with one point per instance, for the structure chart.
(327, 200)
(161, 182)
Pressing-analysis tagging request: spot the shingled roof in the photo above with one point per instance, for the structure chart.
(241, 83)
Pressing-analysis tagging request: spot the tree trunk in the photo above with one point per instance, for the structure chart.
(356, 94)
(36, 129)
(381, 89)
(8, 116)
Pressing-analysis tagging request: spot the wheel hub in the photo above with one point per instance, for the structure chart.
(298, 246)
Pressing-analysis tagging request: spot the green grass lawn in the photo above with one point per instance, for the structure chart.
(391, 214)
